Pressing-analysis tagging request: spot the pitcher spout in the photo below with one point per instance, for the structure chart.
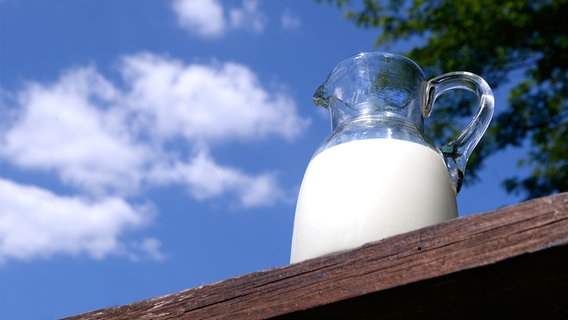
(370, 83)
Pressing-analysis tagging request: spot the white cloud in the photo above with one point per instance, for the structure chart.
(289, 20)
(68, 127)
(103, 139)
(112, 140)
(207, 102)
(206, 179)
(36, 222)
(248, 17)
(201, 17)
(208, 19)
(149, 248)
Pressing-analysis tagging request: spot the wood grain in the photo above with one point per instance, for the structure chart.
(482, 265)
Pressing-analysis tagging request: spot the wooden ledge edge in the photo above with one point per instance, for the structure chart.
(460, 244)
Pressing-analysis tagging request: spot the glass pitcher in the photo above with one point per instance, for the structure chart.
(377, 174)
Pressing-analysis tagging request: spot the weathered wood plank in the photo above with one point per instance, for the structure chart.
(530, 286)
(441, 256)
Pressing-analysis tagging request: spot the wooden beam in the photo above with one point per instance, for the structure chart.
(494, 263)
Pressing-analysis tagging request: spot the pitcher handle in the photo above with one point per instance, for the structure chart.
(457, 151)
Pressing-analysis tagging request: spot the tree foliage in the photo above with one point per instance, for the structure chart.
(514, 43)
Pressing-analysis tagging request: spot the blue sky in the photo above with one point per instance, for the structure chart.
(152, 146)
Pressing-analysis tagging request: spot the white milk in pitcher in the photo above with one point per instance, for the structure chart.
(366, 190)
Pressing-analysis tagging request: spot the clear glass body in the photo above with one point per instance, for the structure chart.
(377, 174)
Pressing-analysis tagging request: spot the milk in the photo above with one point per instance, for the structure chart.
(365, 190)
